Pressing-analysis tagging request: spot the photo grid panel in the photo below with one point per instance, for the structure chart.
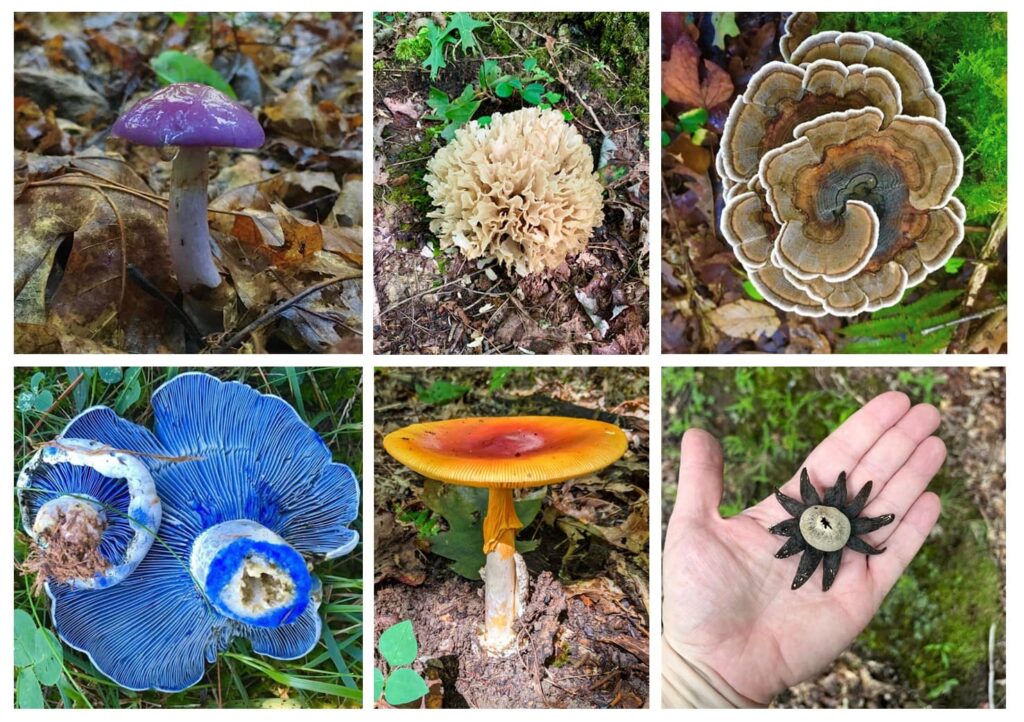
(530, 452)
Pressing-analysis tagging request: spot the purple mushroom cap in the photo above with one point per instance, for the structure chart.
(189, 114)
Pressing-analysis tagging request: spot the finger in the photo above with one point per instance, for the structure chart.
(910, 534)
(845, 446)
(700, 476)
(905, 487)
(892, 451)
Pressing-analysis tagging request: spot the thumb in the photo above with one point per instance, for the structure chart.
(700, 476)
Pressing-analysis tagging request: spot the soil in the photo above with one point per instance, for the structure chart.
(582, 645)
(433, 302)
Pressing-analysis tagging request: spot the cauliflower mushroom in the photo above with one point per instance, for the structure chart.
(91, 512)
(521, 190)
(249, 492)
(500, 455)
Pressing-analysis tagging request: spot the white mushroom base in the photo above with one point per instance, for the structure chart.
(506, 585)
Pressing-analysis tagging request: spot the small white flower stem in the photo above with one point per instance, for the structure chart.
(188, 230)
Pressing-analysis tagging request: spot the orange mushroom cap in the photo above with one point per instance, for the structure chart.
(507, 452)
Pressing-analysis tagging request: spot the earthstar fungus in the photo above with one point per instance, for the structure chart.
(249, 492)
(821, 527)
(502, 454)
(193, 117)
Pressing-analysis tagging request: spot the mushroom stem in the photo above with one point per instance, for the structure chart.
(504, 581)
(188, 229)
(250, 574)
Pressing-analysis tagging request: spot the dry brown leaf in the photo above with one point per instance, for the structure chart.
(280, 237)
(745, 319)
(681, 81)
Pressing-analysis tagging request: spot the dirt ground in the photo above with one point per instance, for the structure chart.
(439, 303)
(584, 637)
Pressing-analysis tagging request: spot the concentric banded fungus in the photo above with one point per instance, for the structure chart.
(866, 48)
(521, 190)
(780, 97)
(193, 117)
(248, 489)
(502, 454)
(822, 528)
(797, 28)
(853, 197)
(91, 513)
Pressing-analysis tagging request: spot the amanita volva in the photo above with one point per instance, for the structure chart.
(91, 512)
(250, 496)
(503, 454)
(192, 117)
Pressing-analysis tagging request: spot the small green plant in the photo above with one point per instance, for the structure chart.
(917, 327)
(440, 392)
(461, 24)
(427, 523)
(38, 661)
(398, 648)
(692, 123)
(37, 397)
(173, 66)
(454, 113)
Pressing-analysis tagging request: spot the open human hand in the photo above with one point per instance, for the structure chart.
(728, 601)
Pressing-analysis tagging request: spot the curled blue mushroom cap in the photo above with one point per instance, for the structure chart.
(249, 490)
(94, 506)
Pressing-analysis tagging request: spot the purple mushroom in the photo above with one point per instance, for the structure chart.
(193, 117)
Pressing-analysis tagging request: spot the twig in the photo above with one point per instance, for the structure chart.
(280, 308)
(965, 319)
(435, 289)
(55, 404)
(550, 43)
(149, 287)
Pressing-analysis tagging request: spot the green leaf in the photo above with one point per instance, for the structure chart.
(378, 684)
(398, 644)
(37, 378)
(110, 374)
(43, 400)
(692, 120)
(483, 121)
(172, 66)
(666, 139)
(24, 638)
(464, 508)
(752, 291)
(724, 25)
(130, 393)
(29, 695)
(438, 38)
(180, 19)
(438, 101)
(49, 657)
(533, 93)
(490, 72)
(529, 64)
(567, 115)
(404, 686)
(954, 264)
(464, 25)
(440, 392)
(552, 97)
(504, 89)
(498, 378)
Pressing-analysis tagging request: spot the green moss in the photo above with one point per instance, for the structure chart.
(621, 42)
(413, 50)
(967, 54)
(933, 626)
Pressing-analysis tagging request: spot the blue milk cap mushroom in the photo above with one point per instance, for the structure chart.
(249, 493)
(91, 512)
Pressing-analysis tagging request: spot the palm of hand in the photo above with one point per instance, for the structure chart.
(728, 602)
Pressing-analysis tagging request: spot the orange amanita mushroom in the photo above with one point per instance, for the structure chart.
(501, 454)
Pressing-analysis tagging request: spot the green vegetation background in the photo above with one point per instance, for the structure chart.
(967, 55)
(330, 401)
(933, 627)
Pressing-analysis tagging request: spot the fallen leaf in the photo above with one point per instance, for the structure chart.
(681, 79)
(745, 319)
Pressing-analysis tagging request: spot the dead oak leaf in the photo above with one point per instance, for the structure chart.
(280, 237)
(746, 319)
(681, 81)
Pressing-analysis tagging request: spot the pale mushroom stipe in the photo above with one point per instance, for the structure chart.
(521, 190)
(839, 175)
(502, 454)
(249, 493)
(193, 117)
